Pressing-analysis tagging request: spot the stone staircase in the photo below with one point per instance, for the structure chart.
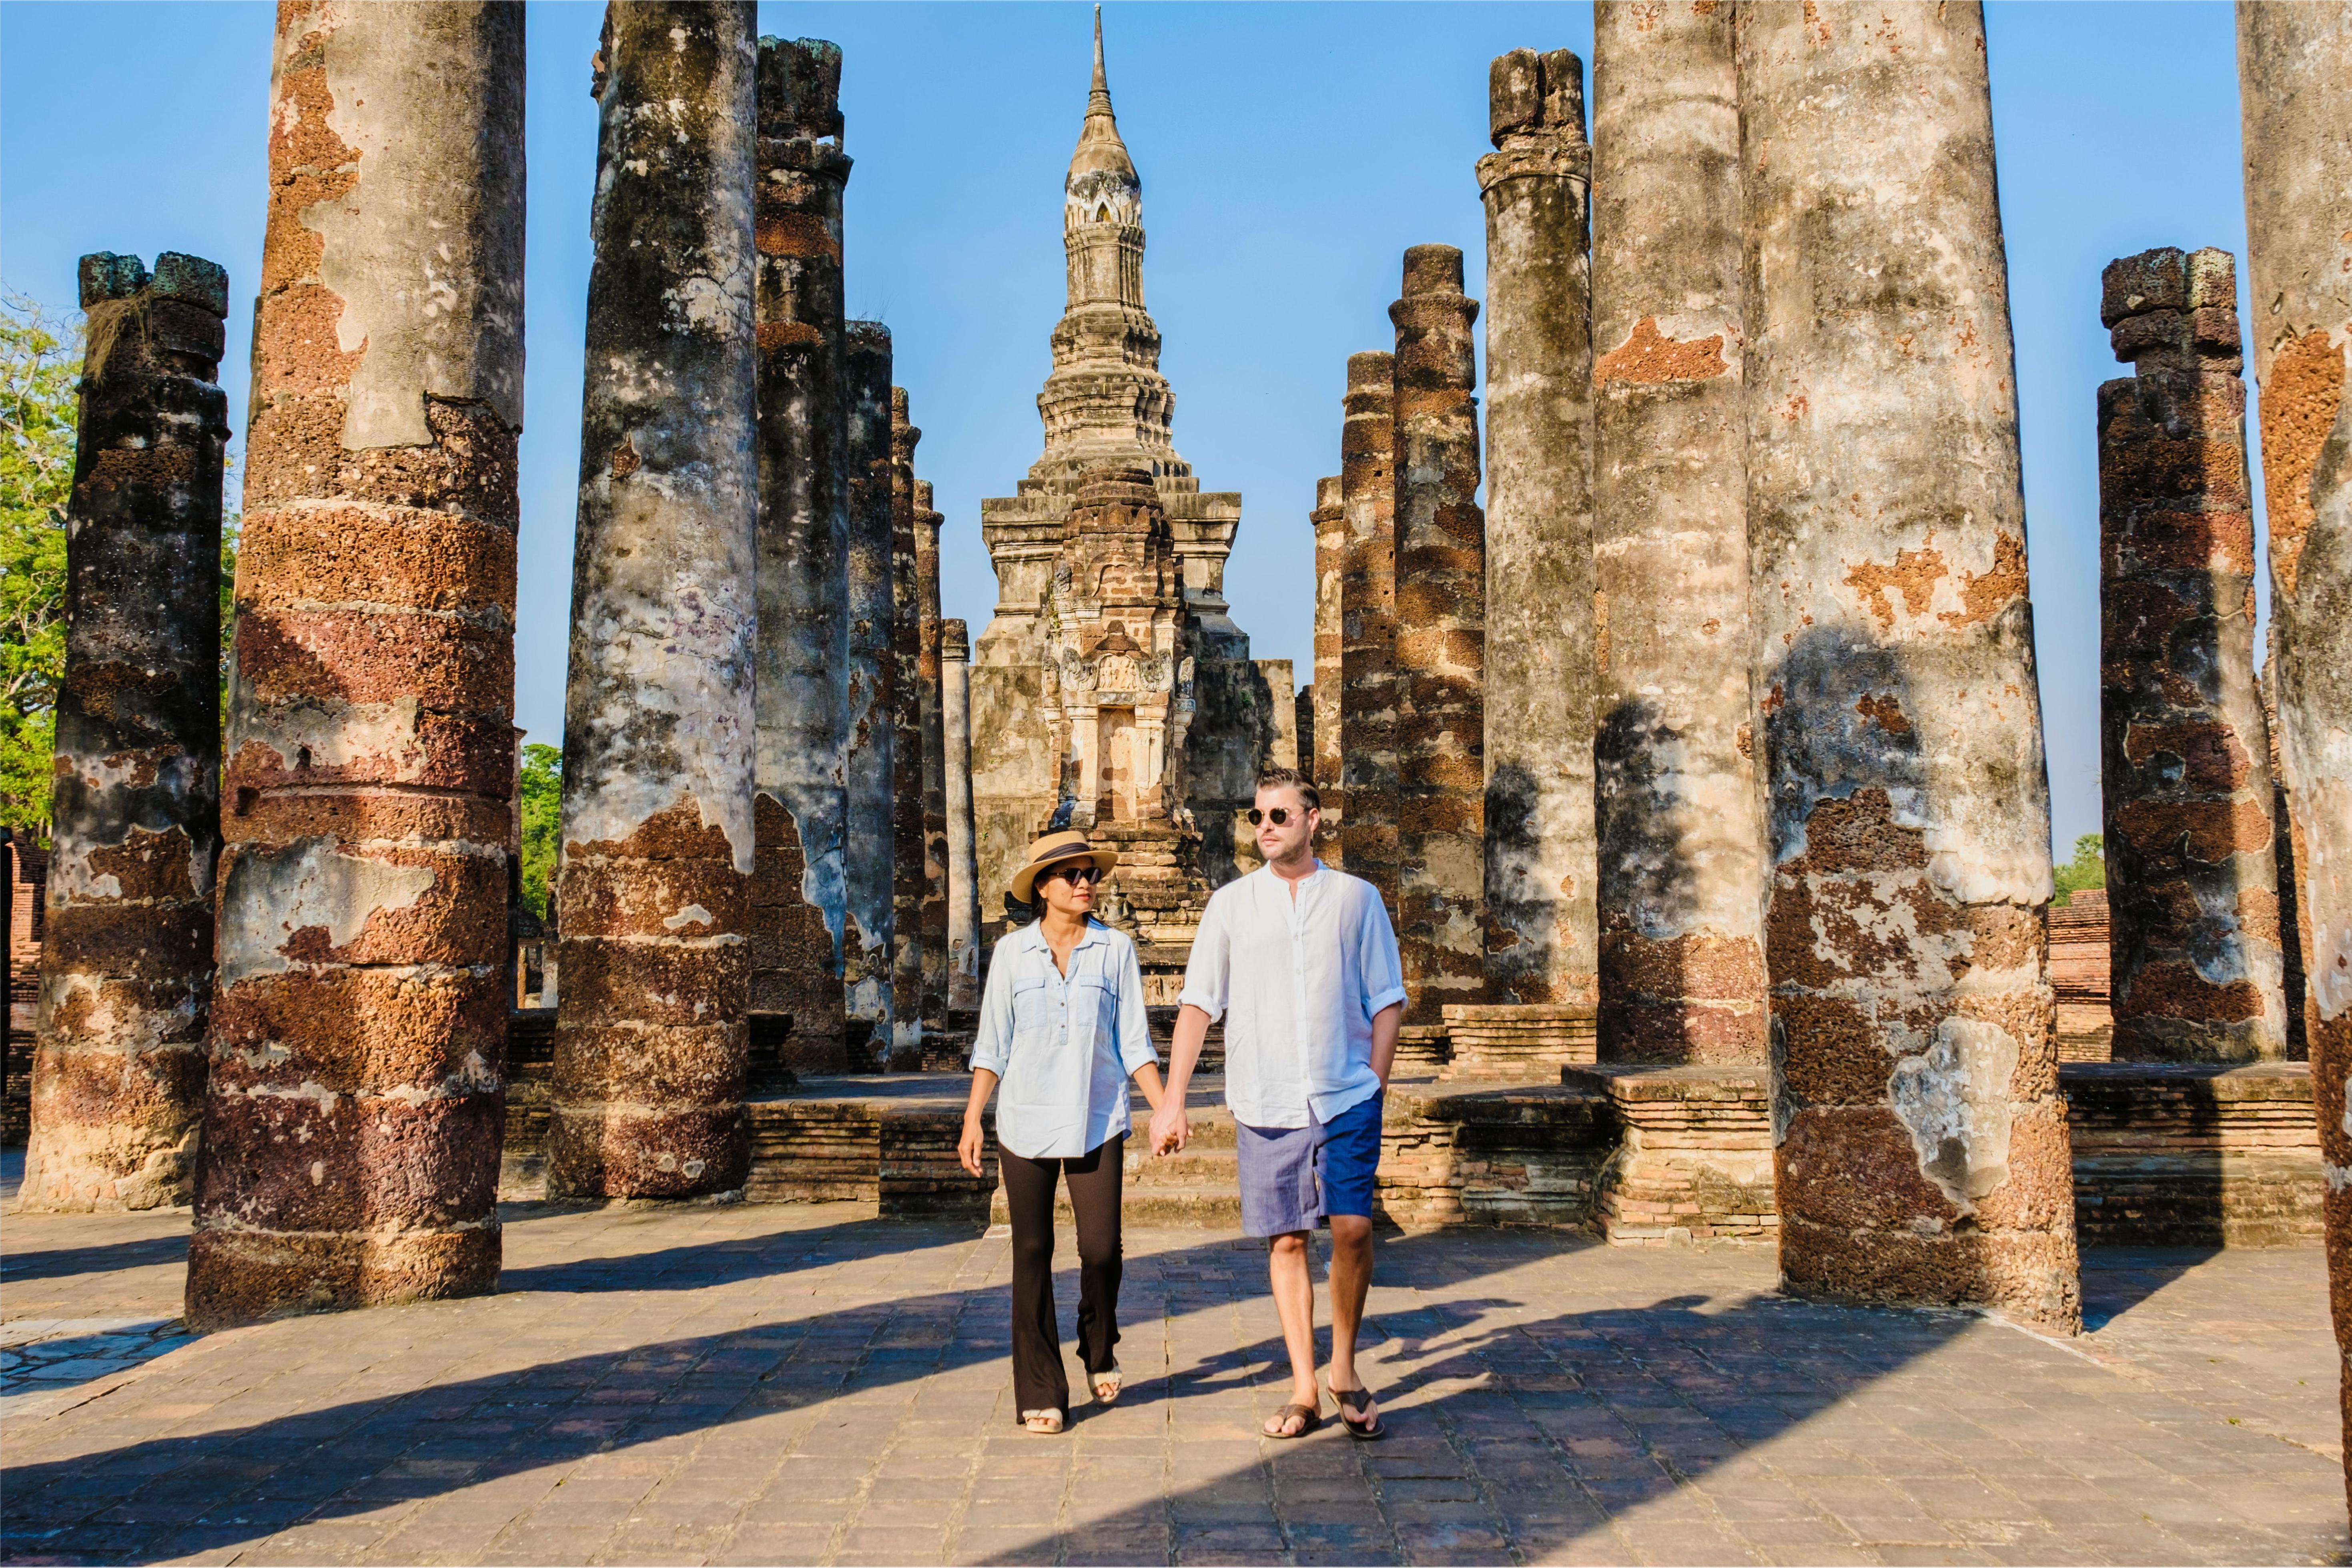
(1199, 1186)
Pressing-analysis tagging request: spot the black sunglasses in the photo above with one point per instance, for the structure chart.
(1074, 874)
(1281, 815)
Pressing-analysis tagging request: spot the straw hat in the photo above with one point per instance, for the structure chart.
(1052, 850)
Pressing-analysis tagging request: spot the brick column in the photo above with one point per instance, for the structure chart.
(1321, 762)
(1440, 593)
(2294, 62)
(907, 882)
(651, 1038)
(935, 776)
(117, 1091)
(963, 841)
(1368, 835)
(1541, 936)
(800, 687)
(1923, 1153)
(873, 699)
(1681, 821)
(2192, 888)
(352, 1124)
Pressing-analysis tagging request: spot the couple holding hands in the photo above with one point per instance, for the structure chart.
(1301, 962)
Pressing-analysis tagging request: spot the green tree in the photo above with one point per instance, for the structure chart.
(543, 813)
(41, 365)
(2087, 869)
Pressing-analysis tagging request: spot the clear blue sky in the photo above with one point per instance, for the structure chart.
(1289, 153)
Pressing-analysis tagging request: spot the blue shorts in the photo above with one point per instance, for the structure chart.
(1294, 1178)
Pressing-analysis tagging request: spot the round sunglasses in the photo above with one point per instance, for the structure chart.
(1280, 815)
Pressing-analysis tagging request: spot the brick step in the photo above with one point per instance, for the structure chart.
(1207, 1205)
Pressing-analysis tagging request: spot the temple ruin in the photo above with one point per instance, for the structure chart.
(1701, 767)
(1110, 690)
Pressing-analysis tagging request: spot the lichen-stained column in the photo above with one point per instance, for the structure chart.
(802, 685)
(652, 1033)
(2295, 92)
(963, 841)
(1330, 518)
(1541, 936)
(1368, 772)
(935, 777)
(2192, 886)
(1923, 1151)
(872, 860)
(1681, 824)
(351, 1141)
(906, 880)
(1440, 593)
(117, 1090)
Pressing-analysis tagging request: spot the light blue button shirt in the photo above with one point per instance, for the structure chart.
(1064, 1045)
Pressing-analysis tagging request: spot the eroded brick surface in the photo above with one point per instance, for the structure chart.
(908, 881)
(1368, 692)
(871, 860)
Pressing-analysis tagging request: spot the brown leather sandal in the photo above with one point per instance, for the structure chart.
(1310, 1419)
(1358, 1399)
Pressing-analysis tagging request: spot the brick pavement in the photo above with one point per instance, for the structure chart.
(776, 1382)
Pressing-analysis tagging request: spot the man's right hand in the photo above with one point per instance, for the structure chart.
(1171, 1129)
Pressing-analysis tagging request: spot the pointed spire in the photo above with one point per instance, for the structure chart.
(1101, 165)
(1102, 86)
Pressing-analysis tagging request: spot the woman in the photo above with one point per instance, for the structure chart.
(1063, 1026)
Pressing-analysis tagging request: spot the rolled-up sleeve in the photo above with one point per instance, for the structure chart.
(1379, 968)
(994, 1045)
(1208, 973)
(1136, 1050)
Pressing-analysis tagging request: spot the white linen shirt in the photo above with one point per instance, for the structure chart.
(1063, 1045)
(1297, 982)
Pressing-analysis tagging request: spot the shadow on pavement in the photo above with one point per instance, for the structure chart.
(2117, 1279)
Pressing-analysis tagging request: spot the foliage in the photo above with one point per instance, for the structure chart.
(2087, 869)
(542, 807)
(38, 373)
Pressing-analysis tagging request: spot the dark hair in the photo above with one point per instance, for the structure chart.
(1291, 778)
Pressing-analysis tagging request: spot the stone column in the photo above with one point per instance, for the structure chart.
(2192, 888)
(963, 841)
(1923, 1151)
(935, 774)
(1680, 821)
(2294, 63)
(1330, 518)
(652, 1032)
(117, 1090)
(1441, 594)
(873, 695)
(906, 880)
(358, 1035)
(1368, 764)
(800, 687)
(1541, 938)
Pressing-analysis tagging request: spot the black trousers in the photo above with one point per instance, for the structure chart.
(1039, 1381)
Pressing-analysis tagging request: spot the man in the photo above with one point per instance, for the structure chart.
(1301, 962)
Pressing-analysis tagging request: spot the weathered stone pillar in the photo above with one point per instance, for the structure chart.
(1923, 1151)
(1330, 518)
(873, 695)
(2192, 888)
(802, 682)
(1541, 938)
(1368, 696)
(1682, 1047)
(935, 775)
(2294, 77)
(1680, 820)
(906, 757)
(963, 841)
(1440, 593)
(352, 1123)
(652, 1033)
(117, 1090)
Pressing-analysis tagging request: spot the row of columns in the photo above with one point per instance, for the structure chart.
(276, 979)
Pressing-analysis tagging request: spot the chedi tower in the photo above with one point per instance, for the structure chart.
(1111, 692)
